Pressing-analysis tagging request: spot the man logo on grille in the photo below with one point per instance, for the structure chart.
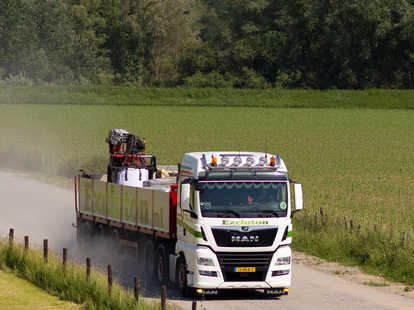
(244, 238)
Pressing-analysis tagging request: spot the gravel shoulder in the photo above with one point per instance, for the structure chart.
(354, 275)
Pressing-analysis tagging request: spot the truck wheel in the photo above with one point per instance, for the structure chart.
(162, 265)
(150, 261)
(185, 290)
(115, 246)
(86, 240)
(101, 237)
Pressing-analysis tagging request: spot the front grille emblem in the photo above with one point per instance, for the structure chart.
(244, 238)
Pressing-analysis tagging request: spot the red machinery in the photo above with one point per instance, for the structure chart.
(127, 150)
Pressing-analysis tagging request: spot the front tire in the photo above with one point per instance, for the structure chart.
(162, 265)
(185, 290)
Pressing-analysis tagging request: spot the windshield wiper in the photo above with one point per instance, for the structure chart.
(267, 213)
(228, 211)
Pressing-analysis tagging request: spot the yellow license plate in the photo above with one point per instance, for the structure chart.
(245, 269)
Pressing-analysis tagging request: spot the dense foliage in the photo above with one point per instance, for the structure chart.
(318, 44)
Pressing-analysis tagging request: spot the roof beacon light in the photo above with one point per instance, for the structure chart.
(213, 161)
(237, 160)
(225, 160)
(272, 161)
(262, 161)
(250, 161)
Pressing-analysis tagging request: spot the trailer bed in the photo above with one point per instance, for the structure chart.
(147, 210)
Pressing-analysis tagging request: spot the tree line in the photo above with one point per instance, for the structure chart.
(318, 44)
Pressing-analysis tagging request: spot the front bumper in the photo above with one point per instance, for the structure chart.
(222, 276)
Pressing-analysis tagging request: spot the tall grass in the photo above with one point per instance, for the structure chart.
(70, 283)
(376, 250)
(277, 98)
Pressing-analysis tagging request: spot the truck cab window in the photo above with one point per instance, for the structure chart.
(244, 199)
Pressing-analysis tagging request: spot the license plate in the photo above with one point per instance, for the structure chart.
(245, 269)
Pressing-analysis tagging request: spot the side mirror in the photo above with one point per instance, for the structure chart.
(185, 197)
(200, 186)
(298, 196)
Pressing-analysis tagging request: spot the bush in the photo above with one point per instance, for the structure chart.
(209, 80)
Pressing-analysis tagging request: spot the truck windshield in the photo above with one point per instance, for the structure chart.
(244, 199)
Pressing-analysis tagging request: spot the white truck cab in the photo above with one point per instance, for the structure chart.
(234, 223)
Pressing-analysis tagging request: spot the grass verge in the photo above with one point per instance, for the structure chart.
(373, 248)
(18, 294)
(69, 283)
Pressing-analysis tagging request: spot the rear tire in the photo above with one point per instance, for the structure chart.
(86, 238)
(115, 247)
(150, 261)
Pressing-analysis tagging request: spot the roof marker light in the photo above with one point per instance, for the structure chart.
(250, 161)
(225, 160)
(272, 161)
(262, 161)
(213, 161)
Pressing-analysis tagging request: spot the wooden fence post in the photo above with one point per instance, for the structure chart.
(26, 243)
(163, 297)
(351, 224)
(346, 223)
(404, 238)
(110, 280)
(136, 288)
(65, 258)
(11, 236)
(45, 249)
(88, 269)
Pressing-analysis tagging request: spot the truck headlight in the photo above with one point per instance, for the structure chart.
(204, 261)
(207, 273)
(283, 261)
(280, 273)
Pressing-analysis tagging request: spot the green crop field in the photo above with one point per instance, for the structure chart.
(354, 163)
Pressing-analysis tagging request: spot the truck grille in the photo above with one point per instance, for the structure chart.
(229, 261)
(239, 238)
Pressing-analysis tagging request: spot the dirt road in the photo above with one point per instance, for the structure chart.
(42, 211)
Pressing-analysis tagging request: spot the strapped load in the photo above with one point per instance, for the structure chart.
(127, 152)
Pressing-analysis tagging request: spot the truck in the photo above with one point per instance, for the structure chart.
(219, 220)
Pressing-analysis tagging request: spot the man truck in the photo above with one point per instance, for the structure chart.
(219, 220)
